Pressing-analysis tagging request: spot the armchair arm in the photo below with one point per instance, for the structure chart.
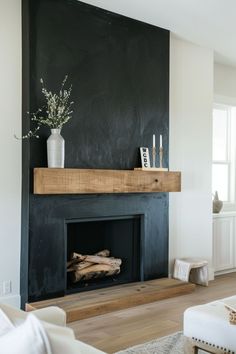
(51, 314)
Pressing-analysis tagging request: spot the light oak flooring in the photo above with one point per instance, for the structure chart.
(121, 329)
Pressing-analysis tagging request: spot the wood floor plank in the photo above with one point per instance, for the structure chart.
(118, 330)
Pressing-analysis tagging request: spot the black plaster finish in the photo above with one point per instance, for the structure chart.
(119, 69)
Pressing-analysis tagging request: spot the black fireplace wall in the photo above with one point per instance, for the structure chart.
(119, 69)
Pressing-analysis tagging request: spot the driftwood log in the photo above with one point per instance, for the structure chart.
(80, 265)
(95, 271)
(86, 267)
(99, 259)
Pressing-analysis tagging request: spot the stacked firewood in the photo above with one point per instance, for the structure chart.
(86, 267)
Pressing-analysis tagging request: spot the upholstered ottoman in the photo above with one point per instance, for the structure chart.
(207, 327)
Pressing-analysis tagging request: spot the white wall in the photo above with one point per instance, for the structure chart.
(191, 98)
(10, 148)
(225, 84)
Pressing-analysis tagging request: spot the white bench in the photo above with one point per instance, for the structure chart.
(207, 327)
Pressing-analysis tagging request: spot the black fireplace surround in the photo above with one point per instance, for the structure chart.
(119, 69)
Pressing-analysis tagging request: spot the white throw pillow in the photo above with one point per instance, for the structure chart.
(36, 337)
(22, 333)
(28, 338)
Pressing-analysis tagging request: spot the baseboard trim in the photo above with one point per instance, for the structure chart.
(226, 271)
(13, 300)
(211, 274)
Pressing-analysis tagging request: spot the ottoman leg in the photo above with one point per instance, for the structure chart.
(189, 347)
(193, 347)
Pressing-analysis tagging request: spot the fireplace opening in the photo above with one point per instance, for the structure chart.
(118, 239)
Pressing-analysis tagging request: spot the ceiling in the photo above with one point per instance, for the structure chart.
(209, 23)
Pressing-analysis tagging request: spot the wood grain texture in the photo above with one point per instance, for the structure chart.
(118, 330)
(86, 181)
(97, 302)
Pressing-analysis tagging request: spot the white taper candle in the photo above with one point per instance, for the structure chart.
(160, 141)
(154, 140)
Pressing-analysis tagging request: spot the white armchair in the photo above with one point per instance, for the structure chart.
(45, 327)
(52, 314)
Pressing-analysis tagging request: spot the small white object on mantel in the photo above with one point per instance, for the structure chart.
(154, 141)
(145, 159)
(161, 141)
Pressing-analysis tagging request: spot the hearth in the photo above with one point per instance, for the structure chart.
(120, 235)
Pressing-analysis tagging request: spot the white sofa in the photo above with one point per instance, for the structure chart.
(41, 331)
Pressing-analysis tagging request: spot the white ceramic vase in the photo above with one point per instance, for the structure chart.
(217, 203)
(56, 149)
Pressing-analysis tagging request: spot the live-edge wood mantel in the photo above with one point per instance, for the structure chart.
(88, 181)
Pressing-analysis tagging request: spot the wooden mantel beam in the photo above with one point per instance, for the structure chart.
(88, 181)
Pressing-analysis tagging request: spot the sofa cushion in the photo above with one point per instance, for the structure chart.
(36, 337)
(5, 324)
(14, 315)
(28, 338)
(56, 339)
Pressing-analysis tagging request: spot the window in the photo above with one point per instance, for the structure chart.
(223, 167)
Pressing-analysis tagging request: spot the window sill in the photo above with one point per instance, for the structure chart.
(224, 214)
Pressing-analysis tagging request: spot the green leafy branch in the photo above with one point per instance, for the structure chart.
(55, 113)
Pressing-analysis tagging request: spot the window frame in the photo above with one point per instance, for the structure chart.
(229, 161)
